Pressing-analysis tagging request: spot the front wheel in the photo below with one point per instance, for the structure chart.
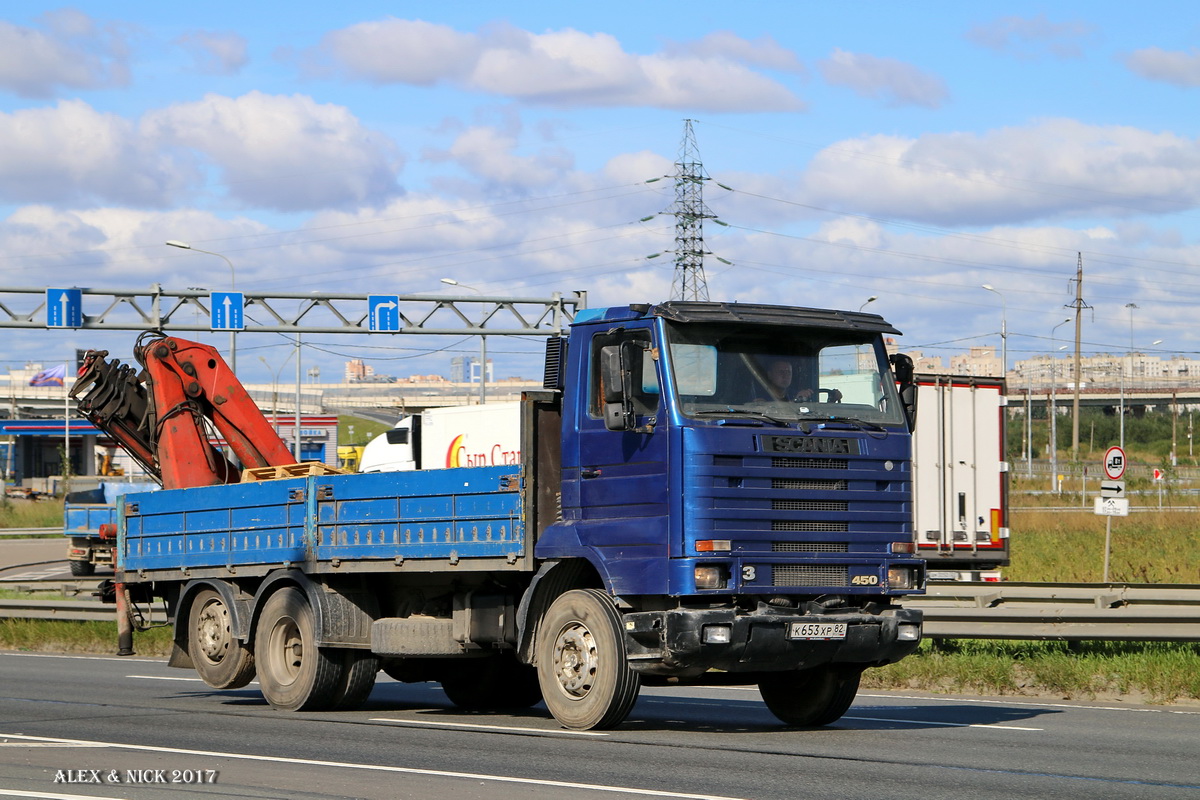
(220, 659)
(810, 698)
(293, 673)
(581, 665)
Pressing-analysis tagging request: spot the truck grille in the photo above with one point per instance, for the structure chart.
(810, 547)
(783, 462)
(810, 484)
(809, 526)
(809, 575)
(809, 505)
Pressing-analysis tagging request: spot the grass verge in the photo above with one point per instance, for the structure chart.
(64, 636)
(1149, 672)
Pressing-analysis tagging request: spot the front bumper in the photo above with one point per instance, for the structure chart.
(671, 643)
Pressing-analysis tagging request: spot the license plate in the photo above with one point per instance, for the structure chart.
(817, 630)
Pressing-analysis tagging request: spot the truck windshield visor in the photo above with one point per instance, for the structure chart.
(785, 374)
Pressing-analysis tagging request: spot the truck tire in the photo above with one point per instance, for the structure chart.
(220, 659)
(581, 665)
(492, 683)
(81, 569)
(359, 670)
(293, 673)
(810, 698)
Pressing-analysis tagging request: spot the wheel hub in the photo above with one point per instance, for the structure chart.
(575, 660)
(212, 632)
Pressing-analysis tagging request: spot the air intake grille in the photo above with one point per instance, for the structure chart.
(810, 484)
(809, 505)
(809, 526)
(810, 547)
(806, 575)
(782, 462)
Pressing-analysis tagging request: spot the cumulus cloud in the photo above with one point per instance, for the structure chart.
(895, 82)
(1031, 37)
(71, 153)
(216, 52)
(1055, 168)
(1168, 66)
(287, 153)
(489, 153)
(562, 68)
(70, 51)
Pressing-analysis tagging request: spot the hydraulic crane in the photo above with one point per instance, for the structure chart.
(165, 414)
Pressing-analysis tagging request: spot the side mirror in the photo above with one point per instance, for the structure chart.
(618, 409)
(903, 370)
(620, 365)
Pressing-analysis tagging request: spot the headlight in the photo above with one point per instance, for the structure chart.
(901, 578)
(710, 576)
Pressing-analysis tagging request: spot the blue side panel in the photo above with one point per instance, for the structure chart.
(449, 513)
(215, 526)
(465, 512)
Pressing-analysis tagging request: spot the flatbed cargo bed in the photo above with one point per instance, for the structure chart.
(467, 518)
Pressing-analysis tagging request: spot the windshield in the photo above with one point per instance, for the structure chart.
(781, 374)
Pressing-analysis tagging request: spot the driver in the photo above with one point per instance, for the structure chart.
(780, 378)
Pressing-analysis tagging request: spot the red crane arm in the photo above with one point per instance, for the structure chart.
(161, 415)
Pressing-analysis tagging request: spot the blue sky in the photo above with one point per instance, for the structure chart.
(906, 151)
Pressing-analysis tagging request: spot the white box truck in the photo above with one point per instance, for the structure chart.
(454, 436)
(960, 477)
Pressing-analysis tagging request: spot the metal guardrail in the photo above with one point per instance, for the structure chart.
(72, 610)
(1045, 611)
(1056, 611)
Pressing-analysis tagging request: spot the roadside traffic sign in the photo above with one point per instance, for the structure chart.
(226, 311)
(384, 312)
(1114, 463)
(64, 308)
(1158, 474)
(1112, 488)
(1112, 506)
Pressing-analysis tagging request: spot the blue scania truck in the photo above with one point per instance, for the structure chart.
(686, 511)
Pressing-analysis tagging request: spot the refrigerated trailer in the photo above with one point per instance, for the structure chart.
(960, 477)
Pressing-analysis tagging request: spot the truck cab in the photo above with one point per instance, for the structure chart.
(750, 464)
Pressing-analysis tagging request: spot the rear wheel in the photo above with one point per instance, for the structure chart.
(359, 669)
(581, 665)
(810, 698)
(82, 569)
(491, 683)
(221, 660)
(293, 673)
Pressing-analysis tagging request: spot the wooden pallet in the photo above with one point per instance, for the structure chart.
(289, 471)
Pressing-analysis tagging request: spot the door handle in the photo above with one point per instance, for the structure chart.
(589, 473)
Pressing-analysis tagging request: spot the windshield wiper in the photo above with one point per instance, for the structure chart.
(854, 422)
(738, 412)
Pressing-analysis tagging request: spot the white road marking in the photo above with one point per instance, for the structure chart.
(435, 773)
(55, 796)
(127, 659)
(946, 724)
(165, 678)
(468, 725)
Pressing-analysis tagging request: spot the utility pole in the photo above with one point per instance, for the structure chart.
(690, 212)
(1078, 305)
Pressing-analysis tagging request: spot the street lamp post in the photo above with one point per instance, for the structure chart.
(482, 345)
(232, 286)
(1054, 408)
(870, 300)
(1003, 330)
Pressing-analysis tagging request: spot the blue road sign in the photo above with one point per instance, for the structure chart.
(64, 308)
(227, 311)
(384, 312)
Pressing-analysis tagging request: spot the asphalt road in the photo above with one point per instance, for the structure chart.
(134, 725)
